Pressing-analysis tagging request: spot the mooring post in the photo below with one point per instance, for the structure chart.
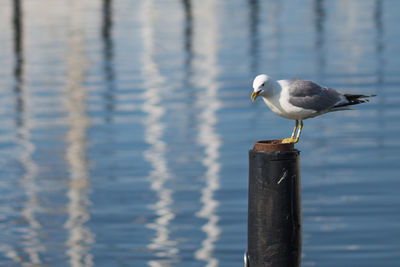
(274, 207)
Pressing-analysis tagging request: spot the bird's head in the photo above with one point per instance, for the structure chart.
(261, 85)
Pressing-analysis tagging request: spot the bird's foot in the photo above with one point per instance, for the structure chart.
(290, 140)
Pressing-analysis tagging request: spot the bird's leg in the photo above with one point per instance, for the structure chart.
(294, 129)
(291, 139)
(299, 132)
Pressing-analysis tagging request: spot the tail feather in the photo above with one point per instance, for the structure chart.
(354, 100)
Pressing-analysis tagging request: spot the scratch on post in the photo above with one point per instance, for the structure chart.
(283, 177)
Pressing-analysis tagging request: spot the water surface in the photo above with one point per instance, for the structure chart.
(126, 125)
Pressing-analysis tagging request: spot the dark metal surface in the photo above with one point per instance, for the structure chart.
(274, 209)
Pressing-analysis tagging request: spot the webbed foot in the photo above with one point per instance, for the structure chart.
(290, 140)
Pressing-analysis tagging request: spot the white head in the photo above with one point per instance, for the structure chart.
(261, 85)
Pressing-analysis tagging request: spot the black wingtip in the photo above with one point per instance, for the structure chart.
(355, 99)
(351, 97)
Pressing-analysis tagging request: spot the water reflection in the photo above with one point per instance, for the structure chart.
(273, 25)
(192, 73)
(163, 246)
(379, 42)
(352, 45)
(188, 35)
(31, 245)
(319, 22)
(208, 138)
(380, 68)
(80, 237)
(254, 21)
(108, 57)
(19, 58)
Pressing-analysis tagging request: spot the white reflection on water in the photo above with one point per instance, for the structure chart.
(160, 174)
(32, 241)
(31, 247)
(207, 46)
(80, 237)
(355, 45)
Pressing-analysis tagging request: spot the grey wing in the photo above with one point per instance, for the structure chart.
(309, 95)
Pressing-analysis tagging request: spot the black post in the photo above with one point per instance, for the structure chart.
(274, 212)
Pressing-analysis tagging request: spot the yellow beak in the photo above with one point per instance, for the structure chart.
(254, 95)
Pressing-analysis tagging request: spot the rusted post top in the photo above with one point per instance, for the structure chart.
(272, 145)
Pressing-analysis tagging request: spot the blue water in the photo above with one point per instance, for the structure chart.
(125, 128)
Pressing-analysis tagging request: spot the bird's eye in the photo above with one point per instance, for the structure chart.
(262, 84)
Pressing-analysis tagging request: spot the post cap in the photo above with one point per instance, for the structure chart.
(272, 145)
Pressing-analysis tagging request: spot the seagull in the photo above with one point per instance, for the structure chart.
(299, 99)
